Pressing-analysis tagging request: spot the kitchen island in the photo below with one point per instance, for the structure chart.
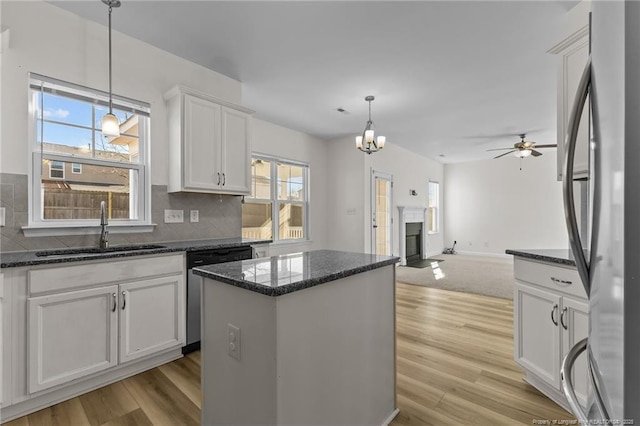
(305, 339)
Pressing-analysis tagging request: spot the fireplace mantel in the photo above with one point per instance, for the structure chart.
(411, 214)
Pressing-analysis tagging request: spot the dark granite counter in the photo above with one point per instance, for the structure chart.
(559, 256)
(34, 257)
(284, 274)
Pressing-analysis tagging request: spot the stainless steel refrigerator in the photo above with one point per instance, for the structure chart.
(610, 266)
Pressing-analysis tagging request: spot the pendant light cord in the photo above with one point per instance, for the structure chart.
(110, 93)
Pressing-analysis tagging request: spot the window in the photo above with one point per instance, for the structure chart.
(278, 205)
(56, 169)
(434, 207)
(65, 129)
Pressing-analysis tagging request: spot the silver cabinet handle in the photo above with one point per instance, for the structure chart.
(567, 178)
(554, 311)
(124, 301)
(224, 179)
(218, 178)
(562, 314)
(567, 382)
(115, 304)
(561, 282)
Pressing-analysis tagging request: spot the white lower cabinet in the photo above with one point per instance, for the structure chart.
(151, 316)
(550, 316)
(71, 335)
(77, 326)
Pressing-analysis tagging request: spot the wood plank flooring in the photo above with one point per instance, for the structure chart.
(454, 365)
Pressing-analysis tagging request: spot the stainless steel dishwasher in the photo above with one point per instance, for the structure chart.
(194, 285)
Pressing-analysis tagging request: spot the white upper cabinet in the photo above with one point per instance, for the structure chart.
(573, 53)
(209, 143)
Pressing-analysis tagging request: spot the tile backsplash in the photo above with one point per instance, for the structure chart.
(220, 216)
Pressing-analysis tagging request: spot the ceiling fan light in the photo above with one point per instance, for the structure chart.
(110, 126)
(522, 153)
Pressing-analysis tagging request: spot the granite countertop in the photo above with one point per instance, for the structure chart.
(559, 256)
(284, 274)
(30, 257)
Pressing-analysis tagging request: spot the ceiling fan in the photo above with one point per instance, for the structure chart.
(523, 148)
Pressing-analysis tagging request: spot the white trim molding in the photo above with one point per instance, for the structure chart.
(411, 214)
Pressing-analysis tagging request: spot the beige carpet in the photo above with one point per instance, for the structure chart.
(491, 276)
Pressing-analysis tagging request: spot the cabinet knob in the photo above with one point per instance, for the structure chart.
(124, 301)
(224, 179)
(115, 304)
(564, 311)
(218, 178)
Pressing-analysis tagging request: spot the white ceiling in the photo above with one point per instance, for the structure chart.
(451, 79)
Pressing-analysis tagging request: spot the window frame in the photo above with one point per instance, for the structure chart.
(276, 202)
(142, 204)
(61, 169)
(73, 168)
(436, 208)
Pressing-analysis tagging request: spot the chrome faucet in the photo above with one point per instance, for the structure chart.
(104, 234)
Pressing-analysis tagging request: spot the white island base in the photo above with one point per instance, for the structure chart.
(323, 355)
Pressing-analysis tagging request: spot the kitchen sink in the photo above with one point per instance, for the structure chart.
(95, 250)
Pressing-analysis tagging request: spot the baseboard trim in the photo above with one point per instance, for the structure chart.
(484, 254)
(76, 388)
(391, 417)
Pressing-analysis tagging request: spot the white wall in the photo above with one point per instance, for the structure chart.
(51, 41)
(289, 144)
(350, 182)
(345, 210)
(410, 171)
(491, 205)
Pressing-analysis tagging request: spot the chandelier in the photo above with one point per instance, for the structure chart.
(367, 142)
(110, 123)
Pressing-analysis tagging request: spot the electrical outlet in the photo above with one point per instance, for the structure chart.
(233, 341)
(195, 216)
(173, 216)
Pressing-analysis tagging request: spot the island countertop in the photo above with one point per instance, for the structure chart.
(559, 256)
(284, 274)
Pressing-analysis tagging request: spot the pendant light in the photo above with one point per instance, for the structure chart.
(367, 142)
(110, 123)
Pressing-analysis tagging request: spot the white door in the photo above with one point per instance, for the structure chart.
(381, 213)
(201, 144)
(71, 335)
(152, 317)
(236, 151)
(537, 332)
(574, 320)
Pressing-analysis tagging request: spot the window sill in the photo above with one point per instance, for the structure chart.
(433, 232)
(283, 243)
(83, 229)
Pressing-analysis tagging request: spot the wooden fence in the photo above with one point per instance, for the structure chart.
(68, 204)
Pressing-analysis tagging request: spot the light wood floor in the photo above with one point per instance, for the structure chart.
(454, 362)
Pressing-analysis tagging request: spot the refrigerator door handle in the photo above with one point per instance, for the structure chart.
(567, 381)
(567, 177)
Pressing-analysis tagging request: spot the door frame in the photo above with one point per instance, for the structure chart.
(377, 174)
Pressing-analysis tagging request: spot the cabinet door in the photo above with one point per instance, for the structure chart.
(201, 168)
(575, 325)
(536, 336)
(71, 335)
(236, 151)
(152, 316)
(572, 63)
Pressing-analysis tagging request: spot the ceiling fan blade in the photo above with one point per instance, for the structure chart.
(498, 149)
(502, 155)
(535, 153)
(547, 146)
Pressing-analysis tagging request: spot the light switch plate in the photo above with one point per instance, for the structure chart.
(195, 216)
(233, 341)
(173, 216)
(2, 216)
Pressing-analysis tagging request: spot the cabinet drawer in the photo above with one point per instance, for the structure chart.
(91, 274)
(555, 277)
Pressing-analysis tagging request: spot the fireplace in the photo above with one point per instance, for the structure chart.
(413, 241)
(412, 238)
